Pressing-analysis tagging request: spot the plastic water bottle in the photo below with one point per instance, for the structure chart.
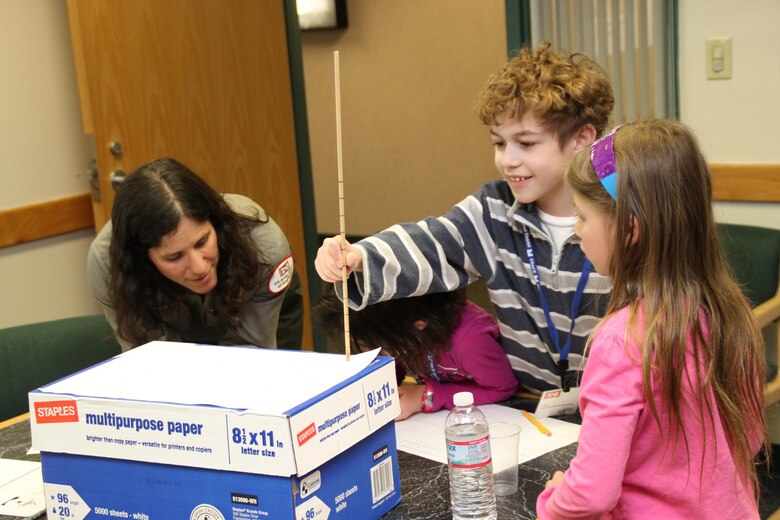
(472, 490)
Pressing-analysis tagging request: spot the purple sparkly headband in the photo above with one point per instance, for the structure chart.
(602, 157)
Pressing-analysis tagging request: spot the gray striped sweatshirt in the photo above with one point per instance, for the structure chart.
(482, 237)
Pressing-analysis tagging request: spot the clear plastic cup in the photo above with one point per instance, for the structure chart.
(504, 448)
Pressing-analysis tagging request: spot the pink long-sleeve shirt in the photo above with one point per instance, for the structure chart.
(474, 363)
(624, 468)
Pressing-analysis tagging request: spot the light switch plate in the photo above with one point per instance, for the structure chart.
(719, 58)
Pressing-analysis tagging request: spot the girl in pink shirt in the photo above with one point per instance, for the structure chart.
(444, 341)
(672, 392)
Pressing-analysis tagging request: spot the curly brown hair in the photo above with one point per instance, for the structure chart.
(565, 91)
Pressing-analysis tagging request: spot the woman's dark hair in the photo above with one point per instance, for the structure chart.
(149, 205)
(391, 325)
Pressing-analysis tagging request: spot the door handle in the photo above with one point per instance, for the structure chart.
(92, 169)
(116, 178)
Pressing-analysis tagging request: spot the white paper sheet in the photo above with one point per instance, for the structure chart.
(265, 380)
(21, 488)
(423, 434)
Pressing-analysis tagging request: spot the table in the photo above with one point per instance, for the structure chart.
(425, 487)
(424, 483)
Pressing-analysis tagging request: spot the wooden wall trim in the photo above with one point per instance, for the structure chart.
(45, 219)
(731, 182)
(746, 182)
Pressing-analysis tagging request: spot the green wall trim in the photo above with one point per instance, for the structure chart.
(675, 57)
(295, 54)
(518, 25)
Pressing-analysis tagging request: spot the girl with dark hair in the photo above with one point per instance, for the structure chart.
(180, 262)
(672, 394)
(445, 342)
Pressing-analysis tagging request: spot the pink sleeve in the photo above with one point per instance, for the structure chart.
(476, 351)
(611, 399)
(541, 504)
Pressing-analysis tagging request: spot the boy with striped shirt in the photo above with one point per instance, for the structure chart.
(516, 233)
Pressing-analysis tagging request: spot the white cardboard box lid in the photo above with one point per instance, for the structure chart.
(224, 390)
(266, 381)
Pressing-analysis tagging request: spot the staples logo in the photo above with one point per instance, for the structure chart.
(56, 412)
(551, 394)
(306, 434)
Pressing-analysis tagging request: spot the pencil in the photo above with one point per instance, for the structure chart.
(535, 422)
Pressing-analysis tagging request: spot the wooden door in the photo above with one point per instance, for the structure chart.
(206, 82)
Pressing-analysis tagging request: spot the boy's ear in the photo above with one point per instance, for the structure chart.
(584, 137)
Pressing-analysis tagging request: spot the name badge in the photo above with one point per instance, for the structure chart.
(558, 402)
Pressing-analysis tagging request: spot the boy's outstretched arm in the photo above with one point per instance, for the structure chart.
(329, 259)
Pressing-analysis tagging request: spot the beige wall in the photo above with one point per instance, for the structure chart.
(41, 158)
(737, 120)
(410, 74)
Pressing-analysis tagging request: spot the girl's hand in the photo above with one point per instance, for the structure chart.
(411, 400)
(329, 259)
(556, 479)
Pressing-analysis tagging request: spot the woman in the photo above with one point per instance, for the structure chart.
(180, 262)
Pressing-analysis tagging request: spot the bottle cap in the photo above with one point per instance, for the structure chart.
(463, 399)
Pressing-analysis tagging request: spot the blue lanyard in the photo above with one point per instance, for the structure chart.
(563, 362)
(432, 367)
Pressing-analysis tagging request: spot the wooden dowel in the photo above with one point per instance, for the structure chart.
(342, 222)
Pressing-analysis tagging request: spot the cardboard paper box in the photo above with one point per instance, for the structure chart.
(174, 430)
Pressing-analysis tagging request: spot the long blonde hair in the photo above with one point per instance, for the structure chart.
(675, 269)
